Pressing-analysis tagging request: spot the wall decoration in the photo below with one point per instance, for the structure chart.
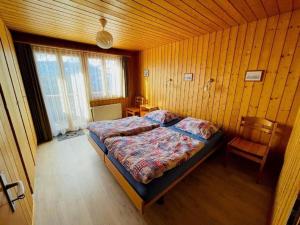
(188, 76)
(254, 75)
(146, 73)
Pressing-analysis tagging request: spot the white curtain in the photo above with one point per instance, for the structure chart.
(63, 82)
(106, 76)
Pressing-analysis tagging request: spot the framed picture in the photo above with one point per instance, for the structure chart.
(254, 75)
(188, 76)
(146, 73)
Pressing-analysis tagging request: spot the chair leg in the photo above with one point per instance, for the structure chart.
(260, 173)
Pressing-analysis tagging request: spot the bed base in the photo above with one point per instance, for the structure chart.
(139, 203)
(97, 148)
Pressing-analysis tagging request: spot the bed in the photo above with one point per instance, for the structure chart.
(143, 195)
(100, 130)
(171, 153)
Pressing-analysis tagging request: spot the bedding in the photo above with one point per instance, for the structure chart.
(169, 124)
(201, 128)
(121, 127)
(158, 185)
(149, 154)
(161, 116)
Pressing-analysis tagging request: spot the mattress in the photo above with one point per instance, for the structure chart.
(156, 186)
(98, 142)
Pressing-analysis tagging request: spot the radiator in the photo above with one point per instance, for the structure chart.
(107, 112)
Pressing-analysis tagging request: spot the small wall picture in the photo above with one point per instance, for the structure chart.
(254, 75)
(188, 76)
(146, 73)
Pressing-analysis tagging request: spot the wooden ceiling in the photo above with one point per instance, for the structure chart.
(135, 24)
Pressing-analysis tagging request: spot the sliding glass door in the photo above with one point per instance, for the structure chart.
(63, 86)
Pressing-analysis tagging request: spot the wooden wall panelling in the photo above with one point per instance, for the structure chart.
(188, 69)
(142, 83)
(219, 79)
(270, 44)
(163, 58)
(234, 76)
(168, 72)
(263, 63)
(214, 73)
(183, 66)
(274, 60)
(247, 49)
(196, 68)
(252, 65)
(11, 165)
(288, 184)
(227, 74)
(191, 85)
(291, 93)
(15, 104)
(254, 62)
(136, 25)
(204, 55)
(171, 75)
(284, 70)
(272, 69)
(294, 107)
(22, 98)
(207, 74)
(19, 89)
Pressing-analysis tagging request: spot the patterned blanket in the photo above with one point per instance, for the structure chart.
(149, 154)
(121, 127)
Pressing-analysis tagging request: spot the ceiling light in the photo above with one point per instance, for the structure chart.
(104, 39)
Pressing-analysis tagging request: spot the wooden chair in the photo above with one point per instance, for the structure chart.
(244, 145)
(132, 111)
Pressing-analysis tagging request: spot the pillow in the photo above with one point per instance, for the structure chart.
(161, 116)
(202, 128)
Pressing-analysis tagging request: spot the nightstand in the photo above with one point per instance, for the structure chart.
(132, 111)
(144, 109)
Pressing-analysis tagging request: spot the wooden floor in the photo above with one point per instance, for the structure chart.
(73, 187)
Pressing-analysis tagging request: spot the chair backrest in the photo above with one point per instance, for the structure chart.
(260, 126)
(139, 100)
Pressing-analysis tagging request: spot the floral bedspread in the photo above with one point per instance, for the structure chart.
(121, 127)
(149, 154)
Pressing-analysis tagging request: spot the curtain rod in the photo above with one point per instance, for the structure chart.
(74, 48)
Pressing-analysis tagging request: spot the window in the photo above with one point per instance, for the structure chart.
(69, 79)
(106, 76)
(63, 87)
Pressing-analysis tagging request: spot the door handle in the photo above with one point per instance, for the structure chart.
(6, 188)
